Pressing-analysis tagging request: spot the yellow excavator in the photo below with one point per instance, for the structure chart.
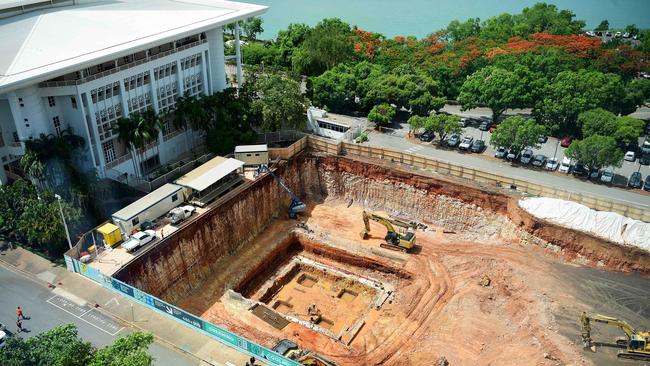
(637, 343)
(395, 240)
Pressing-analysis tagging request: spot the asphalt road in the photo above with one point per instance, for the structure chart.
(46, 309)
(396, 141)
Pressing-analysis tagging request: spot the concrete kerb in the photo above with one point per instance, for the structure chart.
(63, 274)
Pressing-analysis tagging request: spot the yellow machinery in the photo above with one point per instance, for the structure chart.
(637, 343)
(403, 241)
(305, 357)
(111, 234)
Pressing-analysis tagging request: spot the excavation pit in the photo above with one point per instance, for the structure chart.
(331, 297)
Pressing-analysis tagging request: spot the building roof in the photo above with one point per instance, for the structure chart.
(107, 228)
(51, 42)
(146, 202)
(251, 148)
(209, 173)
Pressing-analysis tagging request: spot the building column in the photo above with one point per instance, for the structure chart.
(204, 72)
(80, 103)
(179, 78)
(93, 124)
(240, 80)
(217, 62)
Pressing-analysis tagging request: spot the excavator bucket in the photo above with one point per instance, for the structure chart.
(364, 235)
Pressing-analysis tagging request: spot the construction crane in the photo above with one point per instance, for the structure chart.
(403, 241)
(637, 343)
(296, 206)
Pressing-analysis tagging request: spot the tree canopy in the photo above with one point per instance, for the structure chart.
(61, 346)
(517, 133)
(382, 114)
(279, 103)
(326, 45)
(596, 152)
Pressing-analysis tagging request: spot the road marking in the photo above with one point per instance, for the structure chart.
(413, 149)
(111, 300)
(70, 308)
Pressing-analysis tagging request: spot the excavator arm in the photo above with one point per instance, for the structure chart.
(370, 216)
(586, 326)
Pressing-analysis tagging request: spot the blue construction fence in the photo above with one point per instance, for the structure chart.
(222, 335)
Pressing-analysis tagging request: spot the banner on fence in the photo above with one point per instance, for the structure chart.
(222, 335)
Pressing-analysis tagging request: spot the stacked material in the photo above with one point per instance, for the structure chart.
(607, 225)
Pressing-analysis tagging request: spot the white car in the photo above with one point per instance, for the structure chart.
(607, 176)
(552, 164)
(565, 165)
(630, 156)
(466, 143)
(139, 239)
(179, 214)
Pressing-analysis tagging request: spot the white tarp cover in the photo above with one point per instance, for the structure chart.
(608, 225)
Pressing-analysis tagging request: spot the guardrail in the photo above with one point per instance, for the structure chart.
(417, 161)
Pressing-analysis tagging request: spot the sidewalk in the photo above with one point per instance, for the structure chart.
(77, 288)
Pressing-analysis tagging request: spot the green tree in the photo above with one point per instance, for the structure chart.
(425, 103)
(543, 17)
(498, 89)
(252, 27)
(597, 122)
(61, 345)
(443, 125)
(290, 39)
(335, 89)
(130, 350)
(571, 93)
(603, 26)
(628, 129)
(632, 29)
(325, 46)
(382, 114)
(517, 133)
(458, 31)
(125, 128)
(596, 152)
(279, 103)
(416, 123)
(637, 93)
(256, 53)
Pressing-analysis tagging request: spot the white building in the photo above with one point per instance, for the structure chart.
(83, 64)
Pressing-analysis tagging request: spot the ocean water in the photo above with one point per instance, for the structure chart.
(421, 17)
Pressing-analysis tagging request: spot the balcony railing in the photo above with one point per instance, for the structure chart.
(100, 75)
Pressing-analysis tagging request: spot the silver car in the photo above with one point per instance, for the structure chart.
(466, 143)
(607, 176)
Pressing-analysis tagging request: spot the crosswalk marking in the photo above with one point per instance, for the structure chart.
(413, 149)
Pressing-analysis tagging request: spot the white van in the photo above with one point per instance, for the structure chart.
(565, 165)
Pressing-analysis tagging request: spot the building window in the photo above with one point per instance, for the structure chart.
(109, 151)
(51, 101)
(2, 140)
(16, 139)
(73, 100)
(135, 221)
(175, 197)
(57, 125)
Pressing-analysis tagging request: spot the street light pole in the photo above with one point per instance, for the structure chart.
(65, 225)
(556, 146)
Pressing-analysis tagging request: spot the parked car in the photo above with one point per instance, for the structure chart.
(565, 165)
(594, 174)
(635, 180)
(626, 35)
(501, 152)
(542, 139)
(590, 33)
(645, 148)
(179, 214)
(512, 156)
(464, 121)
(618, 34)
(551, 164)
(427, 136)
(477, 146)
(580, 171)
(644, 159)
(539, 160)
(3, 336)
(599, 33)
(526, 156)
(608, 34)
(466, 143)
(630, 156)
(646, 185)
(453, 140)
(565, 142)
(607, 176)
(484, 126)
(139, 239)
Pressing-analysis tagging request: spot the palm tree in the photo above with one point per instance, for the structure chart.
(154, 124)
(125, 129)
(33, 167)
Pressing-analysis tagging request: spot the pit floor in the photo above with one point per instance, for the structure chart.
(340, 301)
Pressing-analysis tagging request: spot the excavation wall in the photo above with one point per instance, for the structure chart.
(185, 260)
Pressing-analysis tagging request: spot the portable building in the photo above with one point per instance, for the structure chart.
(110, 233)
(252, 154)
(149, 207)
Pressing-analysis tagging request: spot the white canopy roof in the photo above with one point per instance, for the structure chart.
(209, 173)
(251, 148)
(47, 43)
